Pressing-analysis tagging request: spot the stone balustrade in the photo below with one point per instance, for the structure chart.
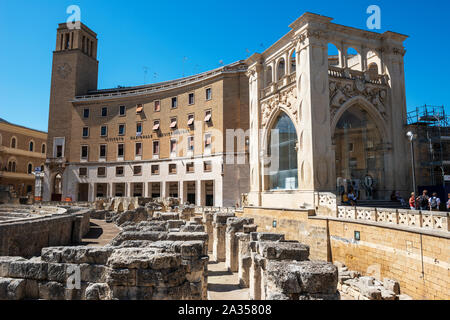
(432, 220)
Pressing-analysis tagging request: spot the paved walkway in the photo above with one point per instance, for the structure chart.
(222, 284)
(100, 233)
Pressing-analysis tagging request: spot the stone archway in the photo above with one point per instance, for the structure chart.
(359, 141)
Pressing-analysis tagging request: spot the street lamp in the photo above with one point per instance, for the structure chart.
(411, 136)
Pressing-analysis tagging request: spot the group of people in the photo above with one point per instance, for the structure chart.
(425, 202)
(350, 198)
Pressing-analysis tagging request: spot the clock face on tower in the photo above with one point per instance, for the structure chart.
(64, 70)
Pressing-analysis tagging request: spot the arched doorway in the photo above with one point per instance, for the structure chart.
(57, 188)
(282, 150)
(359, 155)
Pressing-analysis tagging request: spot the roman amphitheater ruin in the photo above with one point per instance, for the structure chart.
(161, 250)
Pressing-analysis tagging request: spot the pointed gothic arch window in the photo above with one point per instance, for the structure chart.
(359, 155)
(282, 173)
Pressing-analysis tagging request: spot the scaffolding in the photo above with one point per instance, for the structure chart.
(432, 126)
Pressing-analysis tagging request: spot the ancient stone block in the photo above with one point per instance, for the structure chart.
(391, 285)
(56, 272)
(4, 264)
(284, 251)
(28, 270)
(97, 291)
(266, 236)
(12, 289)
(93, 272)
(121, 277)
(50, 290)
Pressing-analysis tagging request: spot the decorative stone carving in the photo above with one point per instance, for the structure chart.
(342, 91)
(286, 99)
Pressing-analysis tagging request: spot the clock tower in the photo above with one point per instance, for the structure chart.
(74, 73)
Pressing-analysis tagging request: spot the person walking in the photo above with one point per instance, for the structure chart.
(412, 201)
(435, 202)
(423, 201)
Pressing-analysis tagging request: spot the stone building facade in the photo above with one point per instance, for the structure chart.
(22, 150)
(161, 140)
(340, 119)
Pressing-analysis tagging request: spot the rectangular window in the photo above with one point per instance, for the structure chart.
(121, 129)
(190, 167)
(139, 129)
(86, 113)
(190, 120)
(174, 103)
(208, 94)
(137, 170)
(82, 172)
(173, 146)
(155, 147)
(350, 147)
(59, 151)
(119, 171)
(85, 132)
(84, 152)
(190, 143)
(155, 169)
(156, 125)
(104, 131)
(208, 140)
(139, 108)
(172, 168)
(104, 111)
(191, 98)
(208, 116)
(173, 123)
(157, 106)
(207, 166)
(103, 151)
(138, 149)
(122, 111)
(120, 150)
(101, 172)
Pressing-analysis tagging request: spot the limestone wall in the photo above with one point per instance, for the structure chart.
(46, 226)
(384, 250)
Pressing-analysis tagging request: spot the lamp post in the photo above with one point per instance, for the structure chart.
(411, 136)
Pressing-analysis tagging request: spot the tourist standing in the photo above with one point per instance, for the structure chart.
(448, 202)
(424, 201)
(435, 202)
(412, 201)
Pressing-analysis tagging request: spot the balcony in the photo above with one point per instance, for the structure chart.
(349, 74)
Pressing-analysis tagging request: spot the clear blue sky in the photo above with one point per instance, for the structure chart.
(172, 38)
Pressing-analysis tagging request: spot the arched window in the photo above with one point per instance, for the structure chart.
(30, 168)
(57, 184)
(268, 76)
(42, 167)
(13, 142)
(281, 69)
(333, 55)
(353, 59)
(282, 147)
(293, 62)
(359, 154)
(43, 148)
(12, 166)
(31, 146)
(373, 71)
